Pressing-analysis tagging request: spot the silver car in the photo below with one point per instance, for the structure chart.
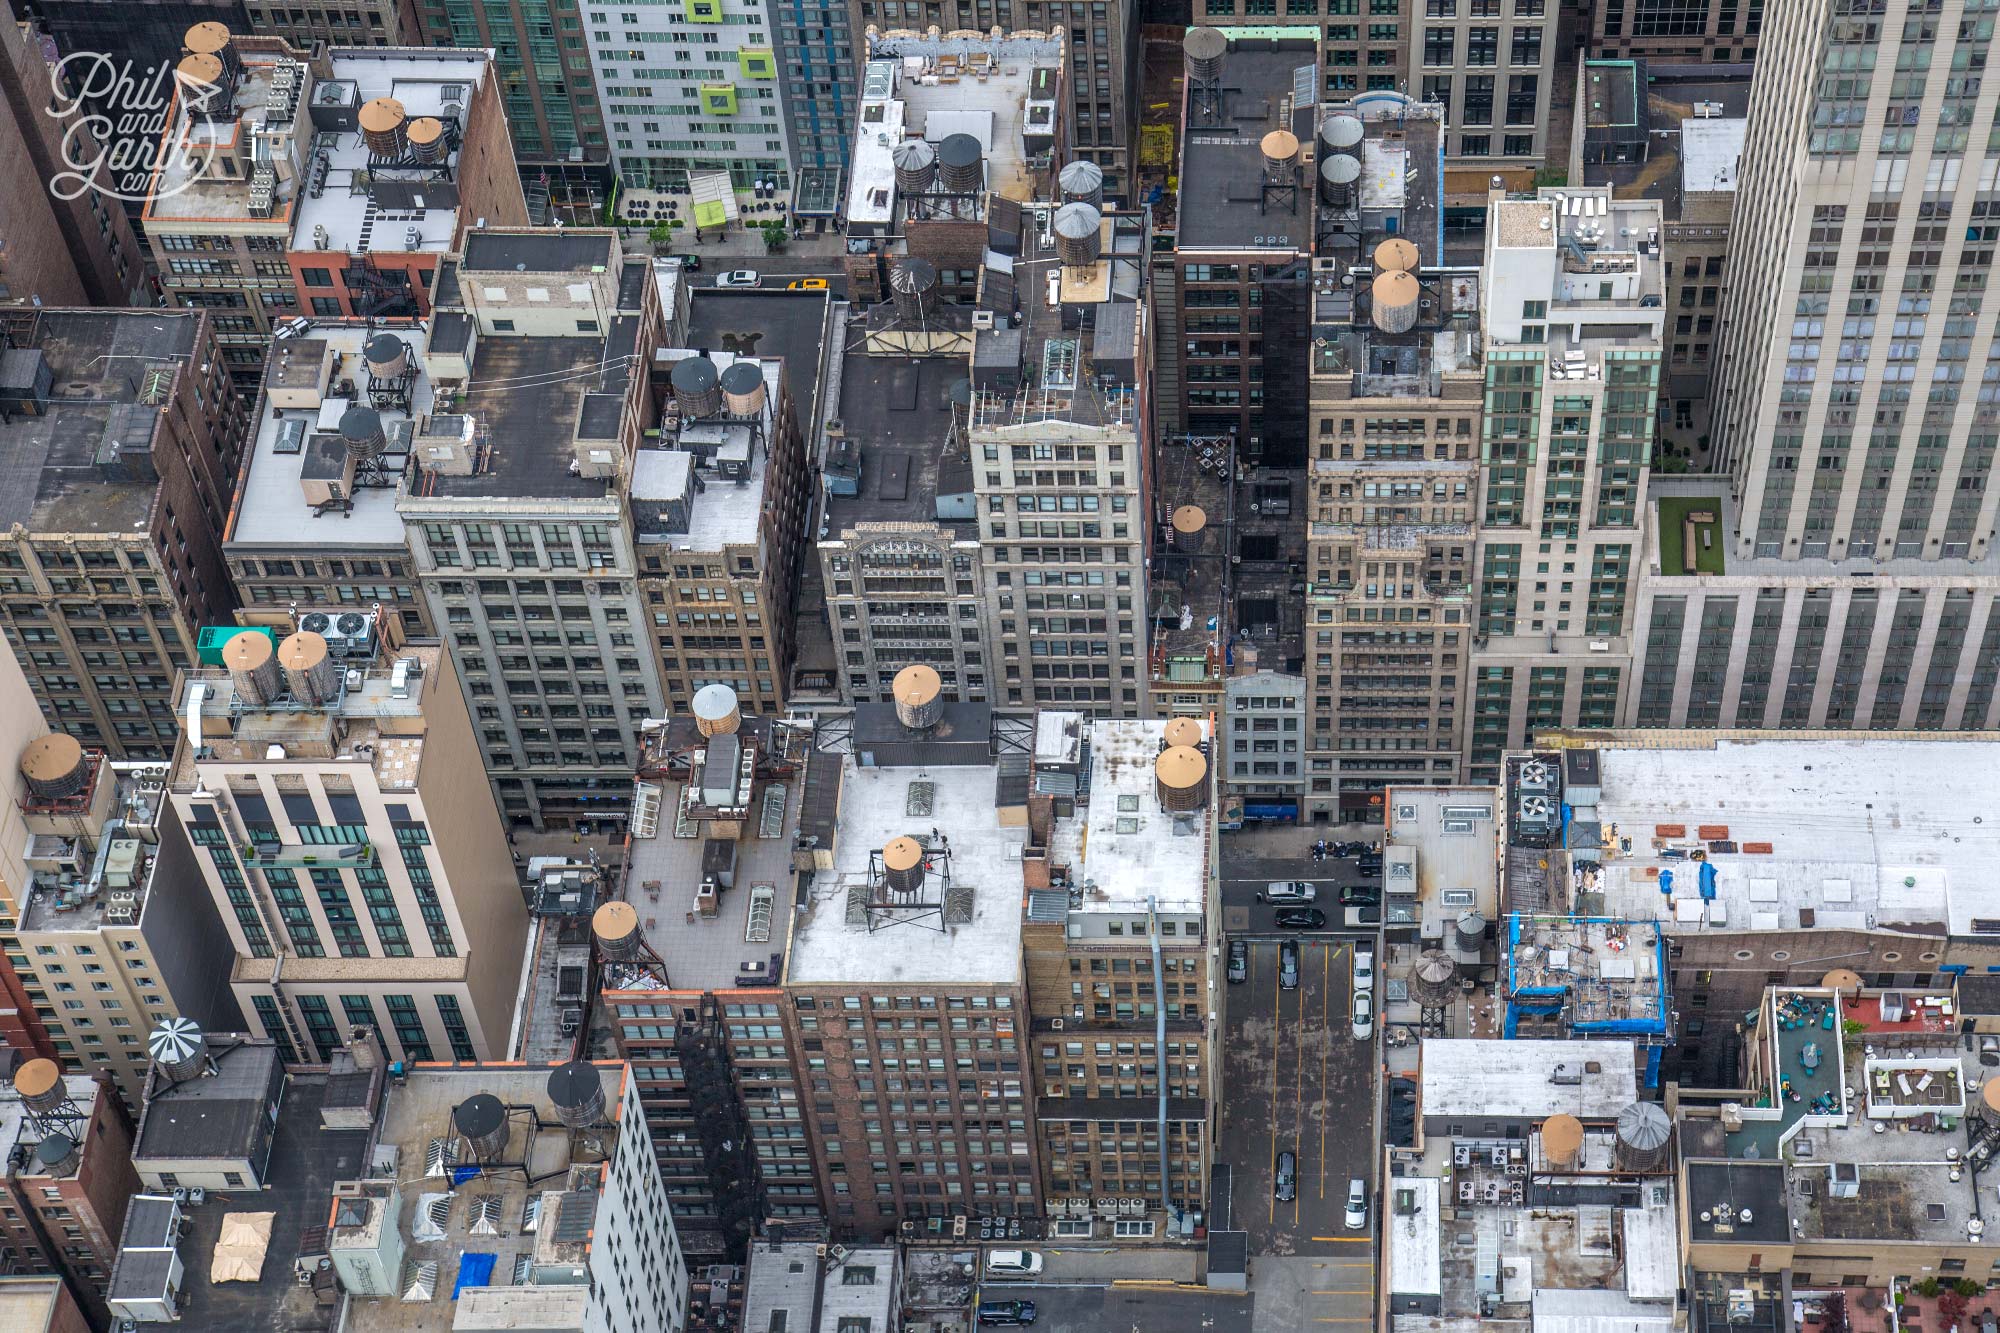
(1288, 891)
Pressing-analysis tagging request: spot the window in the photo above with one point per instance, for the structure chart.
(317, 277)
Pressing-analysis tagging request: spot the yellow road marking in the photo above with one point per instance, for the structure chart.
(1342, 1291)
(1343, 1240)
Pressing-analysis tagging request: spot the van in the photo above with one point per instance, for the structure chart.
(1357, 1205)
(1013, 1263)
(1006, 1314)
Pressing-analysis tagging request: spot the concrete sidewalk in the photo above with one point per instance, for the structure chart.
(1103, 1265)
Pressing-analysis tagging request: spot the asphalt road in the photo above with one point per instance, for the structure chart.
(1131, 1309)
(1299, 1081)
(1243, 878)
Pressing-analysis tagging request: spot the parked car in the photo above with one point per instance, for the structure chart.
(1013, 1263)
(739, 277)
(1239, 961)
(1288, 891)
(1355, 848)
(1364, 968)
(1357, 1205)
(1364, 1015)
(1007, 1314)
(1286, 1185)
(1301, 918)
(806, 285)
(1360, 895)
(1288, 965)
(1368, 869)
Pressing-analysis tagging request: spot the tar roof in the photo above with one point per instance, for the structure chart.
(50, 480)
(1492, 1078)
(214, 1116)
(896, 417)
(1864, 833)
(529, 398)
(1755, 1188)
(881, 804)
(788, 325)
(1222, 206)
(306, 1161)
(1669, 169)
(536, 251)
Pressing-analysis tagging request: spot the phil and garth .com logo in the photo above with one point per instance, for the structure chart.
(115, 122)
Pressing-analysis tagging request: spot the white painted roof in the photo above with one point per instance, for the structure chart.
(1709, 153)
(1490, 1078)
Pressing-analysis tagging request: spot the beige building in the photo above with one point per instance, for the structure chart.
(362, 879)
(1850, 579)
(1396, 389)
(1571, 310)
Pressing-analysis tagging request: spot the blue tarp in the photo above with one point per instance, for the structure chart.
(1667, 882)
(461, 1174)
(1708, 881)
(474, 1270)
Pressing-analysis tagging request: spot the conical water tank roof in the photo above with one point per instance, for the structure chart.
(1562, 1141)
(1643, 1134)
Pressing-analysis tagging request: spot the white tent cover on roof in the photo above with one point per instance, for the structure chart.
(239, 1250)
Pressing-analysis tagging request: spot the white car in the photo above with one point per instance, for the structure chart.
(1364, 1015)
(1013, 1263)
(1364, 970)
(1357, 1205)
(1288, 891)
(738, 277)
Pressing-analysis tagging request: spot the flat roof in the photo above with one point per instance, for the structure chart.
(863, 1286)
(896, 416)
(28, 1303)
(1673, 96)
(270, 508)
(18, 1131)
(530, 398)
(214, 1116)
(783, 1280)
(1461, 856)
(1222, 205)
(1413, 1235)
(422, 212)
(306, 1162)
(1121, 847)
(1864, 833)
(790, 326)
(537, 251)
(878, 805)
(1491, 1078)
(103, 360)
(664, 876)
(1757, 1188)
(1710, 150)
(1652, 1245)
(1598, 1310)
(181, 189)
(724, 512)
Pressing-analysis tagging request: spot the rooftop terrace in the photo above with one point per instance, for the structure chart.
(896, 421)
(86, 463)
(1855, 833)
(1223, 205)
(187, 186)
(949, 810)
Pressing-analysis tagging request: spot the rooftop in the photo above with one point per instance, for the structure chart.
(1859, 833)
(1593, 258)
(30, 1304)
(1399, 190)
(218, 1115)
(188, 186)
(1760, 570)
(1526, 1080)
(663, 880)
(1691, 120)
(707, 493)
(305, 1162)
(69, 887)
(86, 463)
(788, 326)
(537, 251)
(346, 728)
(366, 206)
(476, 1235)
(1456, 847)
(1754, 1195)
(1223, 203)
(861, 1287)
(896, 420)
(271, 506)
(1121, 847)
(1589, 974)
(530, 398)
(975, 876)
(932, 87)
(782, 1290)
(18, 1133)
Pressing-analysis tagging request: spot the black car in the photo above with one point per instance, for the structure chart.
(1354, 848)
(1368, 869)
(1239, 960)
(1011, 1314)
(1360, 895)
(1301, 918)
(1287, 1183)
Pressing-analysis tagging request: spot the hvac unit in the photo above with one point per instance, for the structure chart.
(1536, 775)
(347, 633)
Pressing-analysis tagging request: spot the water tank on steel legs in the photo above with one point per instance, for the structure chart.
(576, 1090)
(482, 1120)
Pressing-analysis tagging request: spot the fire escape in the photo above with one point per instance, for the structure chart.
(723, 1128)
